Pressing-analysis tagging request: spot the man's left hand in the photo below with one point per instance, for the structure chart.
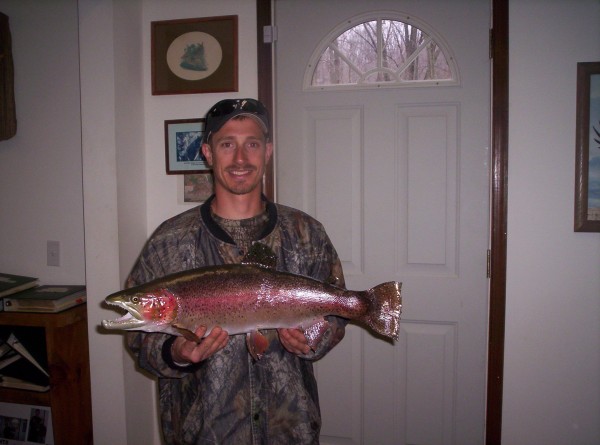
(294, 341)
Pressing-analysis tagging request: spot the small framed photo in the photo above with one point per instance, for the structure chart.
(183, 147)
(587, 148)
(197, 188)
(25, 424)
(195, 55)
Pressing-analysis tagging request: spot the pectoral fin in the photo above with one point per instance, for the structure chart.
(257, 344)
(315, 332)
(187, 334)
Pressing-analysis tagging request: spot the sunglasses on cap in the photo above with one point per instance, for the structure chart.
(226, 109)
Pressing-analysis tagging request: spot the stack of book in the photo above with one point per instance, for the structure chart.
(11, 284)
(23, 361)
(46, 298)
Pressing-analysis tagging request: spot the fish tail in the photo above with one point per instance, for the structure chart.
(385, 307)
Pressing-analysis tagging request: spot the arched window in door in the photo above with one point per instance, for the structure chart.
(381, 49)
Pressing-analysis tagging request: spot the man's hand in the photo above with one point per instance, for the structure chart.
(185, 351)
(294, 341)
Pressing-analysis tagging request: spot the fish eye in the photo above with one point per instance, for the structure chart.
(135, 299)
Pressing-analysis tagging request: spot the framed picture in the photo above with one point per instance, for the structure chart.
(197, 188)
(587, 146)
(21, 424)
(195, 55)
(183, 147)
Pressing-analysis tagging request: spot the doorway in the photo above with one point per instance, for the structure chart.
(497, 205)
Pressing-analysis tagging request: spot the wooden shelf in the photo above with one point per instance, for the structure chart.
(23, 396)
(69, 396)
(44, 320)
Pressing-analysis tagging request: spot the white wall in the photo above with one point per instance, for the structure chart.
(40, 168)
(166, 190)
(108, 129)
(552, 361)
(99, 149)
(127, 193)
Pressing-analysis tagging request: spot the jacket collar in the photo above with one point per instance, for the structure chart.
(219, 233)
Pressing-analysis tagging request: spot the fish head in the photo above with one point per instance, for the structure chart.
(146, 311)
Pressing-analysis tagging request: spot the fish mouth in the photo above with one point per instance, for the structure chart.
(131, 320)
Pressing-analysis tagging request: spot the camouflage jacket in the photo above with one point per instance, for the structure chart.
(229, 398)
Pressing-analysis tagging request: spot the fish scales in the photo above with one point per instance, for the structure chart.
(238, 297)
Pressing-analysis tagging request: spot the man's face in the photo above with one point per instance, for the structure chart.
(238, 154)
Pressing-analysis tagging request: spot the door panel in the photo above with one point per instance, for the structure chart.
(399, 178)
(334, 149)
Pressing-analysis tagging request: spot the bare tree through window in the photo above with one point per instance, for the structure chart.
(381, 51)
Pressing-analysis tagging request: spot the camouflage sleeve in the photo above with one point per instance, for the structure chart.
(151, 350)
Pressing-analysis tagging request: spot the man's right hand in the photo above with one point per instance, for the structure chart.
(185, 352)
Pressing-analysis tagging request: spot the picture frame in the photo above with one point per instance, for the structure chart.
(183, 147)
(197, 188)
(198, 55)
(587, 148)
(25, 424)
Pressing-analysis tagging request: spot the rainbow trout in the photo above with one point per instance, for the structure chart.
(247, 297)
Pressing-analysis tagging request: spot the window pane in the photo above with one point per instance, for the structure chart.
(396, 43)
(359, 45)
(391, 51)
(333, 70)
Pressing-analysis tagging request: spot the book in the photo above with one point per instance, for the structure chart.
(19, 347)
(7, 381)
(4, 348)
(8, 357)
(11, 284)
(19, 367)
(46, 298)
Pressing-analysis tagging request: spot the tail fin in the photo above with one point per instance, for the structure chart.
(384, 311)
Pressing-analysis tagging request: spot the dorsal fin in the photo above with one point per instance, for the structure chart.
(260, 255)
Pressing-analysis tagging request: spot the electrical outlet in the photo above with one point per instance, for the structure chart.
(53, 253)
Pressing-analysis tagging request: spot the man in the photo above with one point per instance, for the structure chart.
(213, 392)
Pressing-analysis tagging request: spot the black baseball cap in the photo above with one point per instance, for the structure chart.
(226, 109)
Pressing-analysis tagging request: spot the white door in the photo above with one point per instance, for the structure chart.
(399, 177)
